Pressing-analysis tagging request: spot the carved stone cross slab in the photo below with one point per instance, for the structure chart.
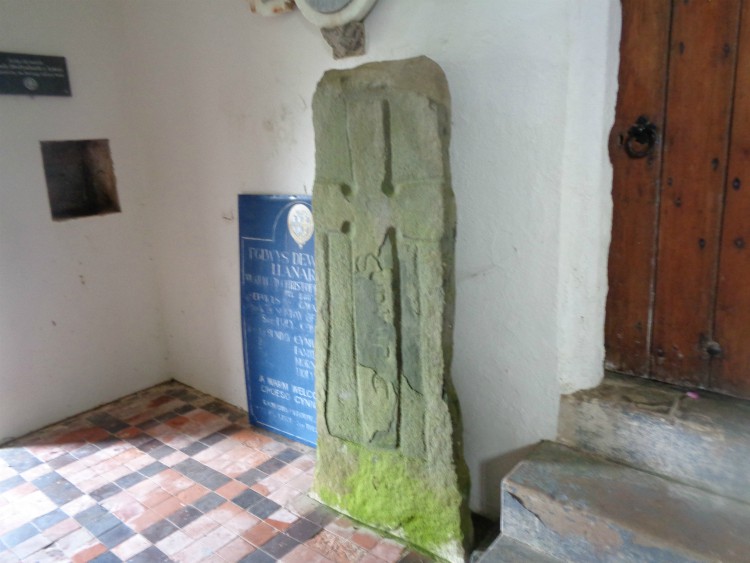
(389, 434)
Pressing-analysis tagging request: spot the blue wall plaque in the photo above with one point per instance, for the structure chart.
(277, 270)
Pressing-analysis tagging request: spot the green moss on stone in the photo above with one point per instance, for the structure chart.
(391, 492)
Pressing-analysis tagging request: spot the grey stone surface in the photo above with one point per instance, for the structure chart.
(656, 427)
(508, 550)
(346, 40)
(581, 508)
(389, 432)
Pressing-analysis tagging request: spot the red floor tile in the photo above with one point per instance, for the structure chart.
(89, 553)
(225, 512)
(388, 550)
(231, 489)
(143, 521)
(168, 507)
(260, 534)
(235, 550)
(241, 523)
(200, 527)
(192, 493)
(365, 539)
(304, 554)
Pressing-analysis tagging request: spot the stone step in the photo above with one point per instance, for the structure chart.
(508, 550)
(703, 441)
(581, 508)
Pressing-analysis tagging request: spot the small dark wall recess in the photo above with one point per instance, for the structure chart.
(80, 178)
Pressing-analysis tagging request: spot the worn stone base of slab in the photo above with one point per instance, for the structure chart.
(397, 495)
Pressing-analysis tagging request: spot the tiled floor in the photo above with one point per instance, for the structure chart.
(170, 474)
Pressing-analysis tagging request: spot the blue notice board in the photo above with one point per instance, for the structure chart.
(277, 269)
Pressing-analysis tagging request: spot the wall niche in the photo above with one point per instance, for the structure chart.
(80, 178)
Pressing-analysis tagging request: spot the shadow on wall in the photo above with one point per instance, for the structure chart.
(489, 482)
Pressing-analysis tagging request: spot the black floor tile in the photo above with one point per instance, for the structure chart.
(271, 466)
(11, 483)
(146, 424)
(108, 422)
(128, 481)
(139, 439)
(19, 535)
(91, 514)
(152, 444)
(264, 508)
(161, 452)
(159, 531)
(49, 480)
(63, 493)
(61, 461)
(208, 502)
(102, 493)
(153, 469)
(18, 458)
(194, 448)
(302, 530)
(212, 439)
(107, 557)
(115, 536)
(257, 556)
(202, 474)
(166, 416)
(414, 557)
(289, 454)
(216, 407)
(185, 515)
(84, 451)
(322, 515)
(279, 545)
(151, 555)
(50, 519)
(103, 525)
(251, 477)
(247, 499)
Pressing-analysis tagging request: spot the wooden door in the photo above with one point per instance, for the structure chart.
(678, 308)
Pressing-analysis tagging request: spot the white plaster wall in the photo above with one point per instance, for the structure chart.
(586, 205)
(224, 103)
(79, 315)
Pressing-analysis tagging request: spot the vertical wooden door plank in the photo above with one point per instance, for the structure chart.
(644, 49)
(701, 74)
(731, 371)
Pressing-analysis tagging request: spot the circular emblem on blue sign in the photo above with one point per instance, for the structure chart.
(30, 84)
(300, 223)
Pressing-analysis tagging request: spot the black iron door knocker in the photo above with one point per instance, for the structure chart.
(641, 138)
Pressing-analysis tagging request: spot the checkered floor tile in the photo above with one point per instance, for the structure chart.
(171, 474)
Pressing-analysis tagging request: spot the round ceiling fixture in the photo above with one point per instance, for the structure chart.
(334, 13)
